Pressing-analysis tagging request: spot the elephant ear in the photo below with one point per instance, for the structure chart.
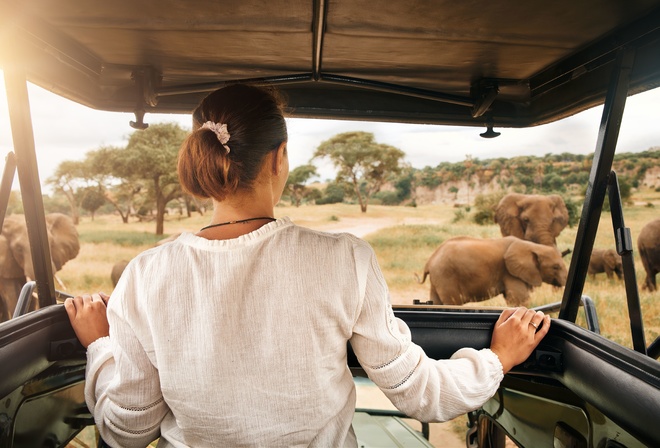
(9, 267)
(64, 243)
(560, 214)
(15, 260)
(507, 215)
(610, 258)
(521, 261)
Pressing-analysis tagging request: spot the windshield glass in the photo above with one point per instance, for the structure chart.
(446, 182)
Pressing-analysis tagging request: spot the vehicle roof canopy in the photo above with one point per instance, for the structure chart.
(514, 63)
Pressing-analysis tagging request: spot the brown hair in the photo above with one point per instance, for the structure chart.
(255, 121)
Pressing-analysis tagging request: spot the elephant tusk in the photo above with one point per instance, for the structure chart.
(56, 278)
(60, 282)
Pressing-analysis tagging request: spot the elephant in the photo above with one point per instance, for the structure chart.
(117, 270)
(118, 267)
(607, 261)
(536, 218)
(648, 243)
(465, 269)
(16, 258)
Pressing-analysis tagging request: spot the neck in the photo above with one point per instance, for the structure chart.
(242, 207)
(239, 208)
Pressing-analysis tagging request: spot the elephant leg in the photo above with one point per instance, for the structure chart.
(649, 282)
(516, 292)
(433, 296)
(10, 289)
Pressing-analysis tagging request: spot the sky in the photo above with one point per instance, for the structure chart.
(64, 130)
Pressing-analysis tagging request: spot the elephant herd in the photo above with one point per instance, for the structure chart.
(648, 244)
(465, 269)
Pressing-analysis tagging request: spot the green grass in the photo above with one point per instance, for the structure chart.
(120, 238)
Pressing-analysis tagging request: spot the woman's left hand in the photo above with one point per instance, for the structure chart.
(87, 314)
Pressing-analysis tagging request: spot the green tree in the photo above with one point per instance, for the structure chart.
(469, 170)
(428, 177)
(151, 156)
(361, 162)
(334, 193)
(92, 198)
(296, 183)
(68, 178)
(106, 167)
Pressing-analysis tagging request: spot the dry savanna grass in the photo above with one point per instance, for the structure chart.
(403, 238)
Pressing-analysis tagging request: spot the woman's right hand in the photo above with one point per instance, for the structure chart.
(87, 314)
(517, 333)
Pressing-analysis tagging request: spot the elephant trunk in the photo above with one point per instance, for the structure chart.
(545, 238)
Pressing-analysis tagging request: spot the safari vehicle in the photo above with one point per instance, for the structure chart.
(485, 64)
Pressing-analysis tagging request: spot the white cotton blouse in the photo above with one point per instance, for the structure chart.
(242, 342)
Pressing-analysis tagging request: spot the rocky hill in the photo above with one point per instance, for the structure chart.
(461, 182)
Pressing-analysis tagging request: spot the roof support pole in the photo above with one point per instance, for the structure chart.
(624, 247)
(5, 185)
(608, 134)
(28, 176)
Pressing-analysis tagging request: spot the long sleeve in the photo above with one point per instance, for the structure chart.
(426, 389)
(122, 387)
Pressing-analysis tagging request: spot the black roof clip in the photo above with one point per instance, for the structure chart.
(145, 83)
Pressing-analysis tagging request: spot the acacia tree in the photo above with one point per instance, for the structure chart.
(361, 162)
(67, 179)
(92, 198)
(106, 168)
(152, 155)
(295, 184)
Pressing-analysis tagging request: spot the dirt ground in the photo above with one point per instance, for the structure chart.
(360, 228)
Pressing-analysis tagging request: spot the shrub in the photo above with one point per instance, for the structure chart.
(388, 197)
(332, 194)
(459, 215)
(485, 205)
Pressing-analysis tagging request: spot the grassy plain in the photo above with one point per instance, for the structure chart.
(403, 238)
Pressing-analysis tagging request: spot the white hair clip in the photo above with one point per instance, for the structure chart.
(220, 131)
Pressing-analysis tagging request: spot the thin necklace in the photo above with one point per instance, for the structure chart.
(240, 221)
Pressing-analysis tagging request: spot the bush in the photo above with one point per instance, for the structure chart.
(388, 197)
(458, 215)
(332, 194)
(573, 211)
(485, 205)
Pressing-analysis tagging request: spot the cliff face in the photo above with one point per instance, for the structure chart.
(651, 178)
(457, 192)
(454, 184)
